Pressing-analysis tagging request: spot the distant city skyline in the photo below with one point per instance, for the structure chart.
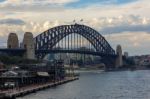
(124, 22)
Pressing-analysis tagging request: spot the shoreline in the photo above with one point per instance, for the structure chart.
(114, 70)
(12, 94)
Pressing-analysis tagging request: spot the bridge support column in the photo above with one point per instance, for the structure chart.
(28, 44)
(119, 61)
(12, 41)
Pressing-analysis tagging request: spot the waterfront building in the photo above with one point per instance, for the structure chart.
(33, 74)
(15, 78)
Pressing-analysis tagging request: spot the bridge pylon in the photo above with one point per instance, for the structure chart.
(12, 42)
(119, 60)
(28, 44)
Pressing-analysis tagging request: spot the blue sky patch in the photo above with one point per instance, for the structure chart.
(86, 3)
(2, 0)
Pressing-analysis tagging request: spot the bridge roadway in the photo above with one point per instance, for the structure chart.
(43, 51)
(74, 51)
(15, 52)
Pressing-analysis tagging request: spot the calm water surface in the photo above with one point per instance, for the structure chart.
(98, 85)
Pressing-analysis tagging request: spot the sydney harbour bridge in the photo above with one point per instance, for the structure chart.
(64, 39)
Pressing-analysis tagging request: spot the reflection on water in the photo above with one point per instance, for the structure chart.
(101, 85)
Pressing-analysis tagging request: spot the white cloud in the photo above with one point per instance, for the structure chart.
(40, 15)
(132, 42)
(33, 5)
(33, 27)
(12, 22)
(33, 2)
(122, 23)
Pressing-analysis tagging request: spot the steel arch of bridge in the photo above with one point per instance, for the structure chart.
(48, 39)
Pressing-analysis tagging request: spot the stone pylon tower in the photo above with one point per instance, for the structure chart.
(12, 41)
(119, 61)
(28, 44)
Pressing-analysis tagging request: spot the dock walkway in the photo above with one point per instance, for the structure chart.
(12, 94)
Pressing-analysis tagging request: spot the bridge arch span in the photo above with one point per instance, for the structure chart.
(48, 39)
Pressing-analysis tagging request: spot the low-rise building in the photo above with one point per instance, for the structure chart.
(33, 74)
(143, 60)
(15, 78)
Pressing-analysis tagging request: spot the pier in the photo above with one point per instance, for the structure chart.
(13, 93)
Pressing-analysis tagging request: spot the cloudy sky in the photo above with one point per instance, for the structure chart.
(125, 22)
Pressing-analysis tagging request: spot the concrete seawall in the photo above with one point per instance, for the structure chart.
(25, 91)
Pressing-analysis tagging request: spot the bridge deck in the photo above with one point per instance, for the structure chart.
(76, 51)
(21, 51)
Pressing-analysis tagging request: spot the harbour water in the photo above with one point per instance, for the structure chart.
(101, 85)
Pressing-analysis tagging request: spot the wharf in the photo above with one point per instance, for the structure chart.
(12, 94)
